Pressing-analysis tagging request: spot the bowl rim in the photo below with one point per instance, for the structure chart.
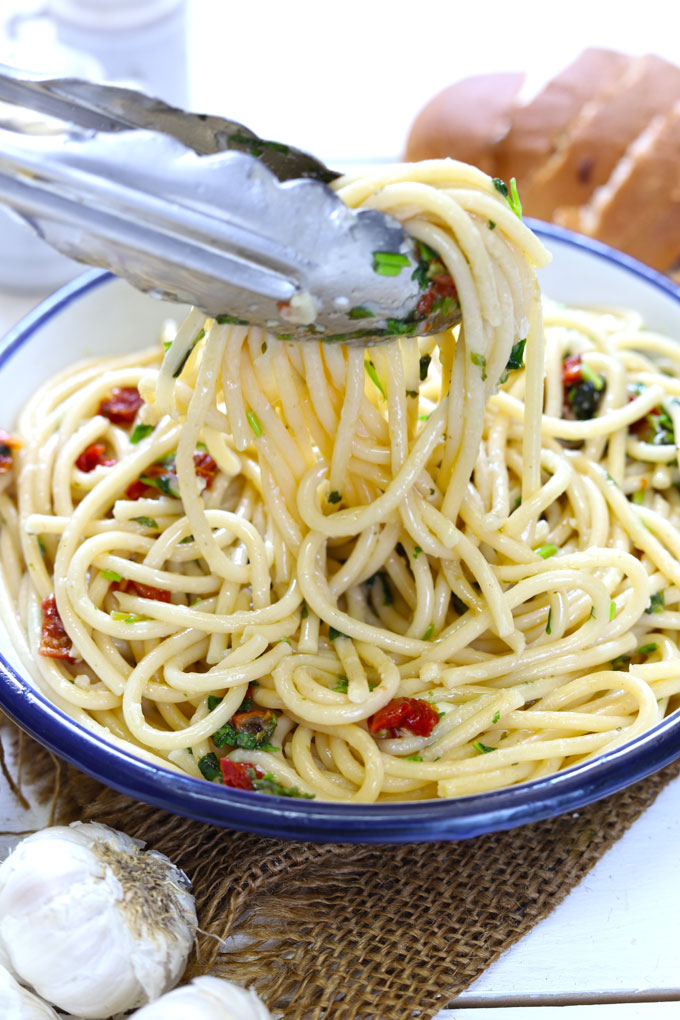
(324, 821)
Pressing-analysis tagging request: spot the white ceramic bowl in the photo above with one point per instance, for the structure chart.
(97, 314)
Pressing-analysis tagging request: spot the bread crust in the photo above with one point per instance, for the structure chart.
(607, 125)
(536, 127)
(596, 150)
(638, 208)
(465, 120)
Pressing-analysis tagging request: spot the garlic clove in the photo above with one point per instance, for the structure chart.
(16, 1003)
(116, 922)
(206, 998)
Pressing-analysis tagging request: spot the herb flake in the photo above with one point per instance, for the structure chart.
(140, 432)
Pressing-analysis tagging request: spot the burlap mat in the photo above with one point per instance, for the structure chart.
(358, 932)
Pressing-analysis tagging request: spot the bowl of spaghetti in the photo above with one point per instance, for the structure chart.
(422, 590)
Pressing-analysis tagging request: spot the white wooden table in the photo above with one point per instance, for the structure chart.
(346, 84)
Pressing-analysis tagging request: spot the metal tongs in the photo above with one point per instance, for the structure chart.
(199, 209)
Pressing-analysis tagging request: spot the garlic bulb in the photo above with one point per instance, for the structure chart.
(92, 922)
(18, 1004)
(206, 998)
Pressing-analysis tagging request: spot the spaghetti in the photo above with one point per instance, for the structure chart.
(433, 567)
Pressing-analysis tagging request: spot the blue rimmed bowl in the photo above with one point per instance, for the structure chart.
(98, 314)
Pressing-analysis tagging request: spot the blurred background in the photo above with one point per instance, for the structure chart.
(344, 82)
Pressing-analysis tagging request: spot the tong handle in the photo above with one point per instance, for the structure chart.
(108, 108)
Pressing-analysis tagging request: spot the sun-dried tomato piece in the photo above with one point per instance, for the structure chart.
(205, 467)
(93, 457)
(54, 641)
(138, 490)
(122, 406)
(571, 370)
(412, 714)
(442, 287)
(239, 775)
(7, 444)
(145, 591)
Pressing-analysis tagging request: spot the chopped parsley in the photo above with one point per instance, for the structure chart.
(496, 717)
(249, 730)
(425, 366)
(480, 361)
(458, 604)
(187, 355)
(254, 423)
(127, 617)
(112, 575)
(546, 551)
(481, 748)
(334, 497)
(209, 766)
(445, 305)
(414, 757)
(657, 603)
(638, 497)
(373, 375)
(412, 394)
(429, 266)
(333, 633)
(140, 432)
(269, 784)
(162, 482)
(620, 662)
(304, 612)
(548, 627)
(612, 610)
(359, 312)
(389, 263)
(511, 195)
(416, 552)
(230, 320)
(401, 327)
(655, 428)
(492, 225)
(427, 636)
(342, 684)
(146, 522)
(515, 361)
(513, 199)
(591, 376)
(647, 649)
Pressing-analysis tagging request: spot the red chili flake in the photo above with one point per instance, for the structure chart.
(54, 641)
(205, 467)
(122, 406)
(239, 775)
(412, 714)
(441, 287)
(571, 370)
(145, 591)
(7, 444)
(92, 457)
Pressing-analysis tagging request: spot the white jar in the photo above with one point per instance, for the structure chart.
(141, 43)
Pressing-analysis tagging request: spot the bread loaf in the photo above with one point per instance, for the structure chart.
(597, 149)
(469, 116)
